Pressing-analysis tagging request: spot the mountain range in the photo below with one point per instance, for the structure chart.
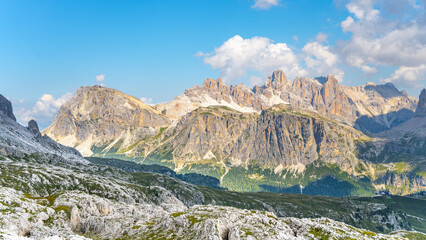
(283, 136)
(49, 191)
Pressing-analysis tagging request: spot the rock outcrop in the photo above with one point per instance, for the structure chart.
(421, 106)
(6, 107)
(74, 213)
(33, 127)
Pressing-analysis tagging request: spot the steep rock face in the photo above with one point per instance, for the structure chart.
(98, 117)
(421, 107)
(370, 108)
(277, 81)
(6, 107)
(19, 141)
(278, 136)
(33, 127)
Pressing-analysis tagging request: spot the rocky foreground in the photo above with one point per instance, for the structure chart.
(55, 194)
(77, 215)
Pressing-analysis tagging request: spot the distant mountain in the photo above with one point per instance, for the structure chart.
(283, 136)
(370, 108)
(101, 116)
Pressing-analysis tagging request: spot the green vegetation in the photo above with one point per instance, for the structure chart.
(319, 233)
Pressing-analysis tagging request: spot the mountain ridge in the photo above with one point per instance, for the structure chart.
(327, 97)
(271, 136)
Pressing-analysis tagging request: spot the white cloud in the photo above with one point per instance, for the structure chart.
(408, 76)
(347, 23)
(363, 10)
(378, 40)
(321, 61)
(44, 110)
(320, 52)
(369, 70)
(146, 100)
(199, 54)
(100, 79)
(381, 34)
(265, 4)
(321, 37)
(237, 56)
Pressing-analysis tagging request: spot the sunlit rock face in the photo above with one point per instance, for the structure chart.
(278, 136)
(101, 117)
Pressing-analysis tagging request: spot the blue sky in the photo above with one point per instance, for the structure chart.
(157, 49)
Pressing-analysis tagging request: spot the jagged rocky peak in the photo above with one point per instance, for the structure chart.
(387, 90)
(214, 85)
(102, 116)
(330, 88)
(277, 80)
(33, 128)
(6, 107)
(421, 106)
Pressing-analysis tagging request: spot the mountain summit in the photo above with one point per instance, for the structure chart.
(102, 116)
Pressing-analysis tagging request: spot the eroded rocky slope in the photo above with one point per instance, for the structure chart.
(101, 116)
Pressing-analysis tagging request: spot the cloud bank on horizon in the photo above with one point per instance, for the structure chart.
(383, 34)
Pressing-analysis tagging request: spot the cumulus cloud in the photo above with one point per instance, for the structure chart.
(146, 100)
(321, 37)
(44, 110)
(381, 34)
(237, 56)
(321, 61)
(377, 40)
(265, 4)
(100, 79)
(408, 76)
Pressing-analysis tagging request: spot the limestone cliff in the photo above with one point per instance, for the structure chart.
(280, 136)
